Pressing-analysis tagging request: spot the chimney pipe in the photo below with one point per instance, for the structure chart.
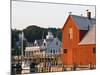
(70, 13)
(89, 15)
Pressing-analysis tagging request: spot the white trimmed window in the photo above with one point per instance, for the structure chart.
(70, 33)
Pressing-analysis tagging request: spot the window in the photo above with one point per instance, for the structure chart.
(51, 50)
(44, 44)
(54, 51)
(94, 50)
(34, 44)
(70, 33)
(57, 43)
(26, 53)
(31, 53)
(65, 50)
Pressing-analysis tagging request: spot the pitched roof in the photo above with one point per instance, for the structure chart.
(90, 37)
(83, 23)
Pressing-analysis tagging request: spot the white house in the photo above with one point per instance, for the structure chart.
(51, 45)
(33, 51)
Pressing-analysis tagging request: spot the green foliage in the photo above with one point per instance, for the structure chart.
(16, 52)
(14, 37)
(31, 33)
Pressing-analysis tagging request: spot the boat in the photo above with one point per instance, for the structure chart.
(25, 65)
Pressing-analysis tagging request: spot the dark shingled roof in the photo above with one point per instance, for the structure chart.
(83, 23)
(40, 42)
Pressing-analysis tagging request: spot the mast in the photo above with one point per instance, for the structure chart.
(43, 35)
(57, 34)
(22, 45)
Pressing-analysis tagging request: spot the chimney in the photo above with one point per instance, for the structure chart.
(88, 14)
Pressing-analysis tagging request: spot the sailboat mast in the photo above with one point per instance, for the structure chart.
(22, 45)
(43, 35)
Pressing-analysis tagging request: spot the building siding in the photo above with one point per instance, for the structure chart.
(68, 43)
(76, 54)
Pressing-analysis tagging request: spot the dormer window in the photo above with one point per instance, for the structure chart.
(51, 50)
(70, 33)
(54, 51)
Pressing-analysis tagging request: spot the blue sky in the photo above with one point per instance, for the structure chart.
(44, 14)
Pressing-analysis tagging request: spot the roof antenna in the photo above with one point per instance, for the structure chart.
(70, 13)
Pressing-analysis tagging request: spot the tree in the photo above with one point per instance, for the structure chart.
(31, 33)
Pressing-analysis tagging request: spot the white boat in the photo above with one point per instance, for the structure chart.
(25, 65)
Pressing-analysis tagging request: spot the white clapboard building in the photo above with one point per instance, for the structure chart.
(49, 46)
